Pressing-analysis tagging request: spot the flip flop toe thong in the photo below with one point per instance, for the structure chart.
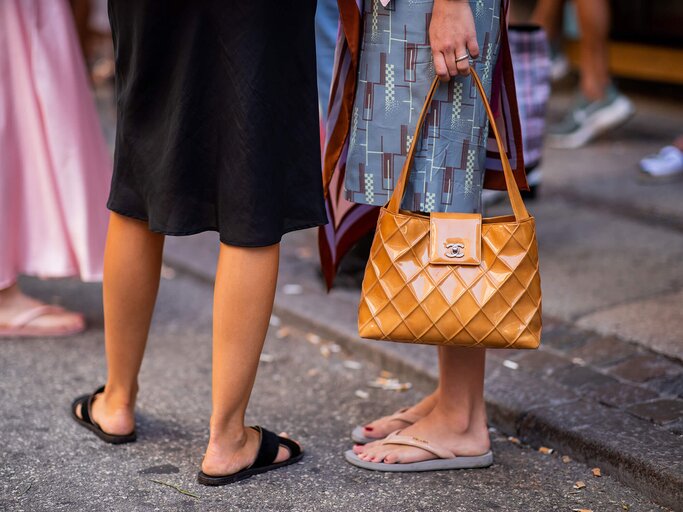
(85, 420)
(265, 459)
(23, 325)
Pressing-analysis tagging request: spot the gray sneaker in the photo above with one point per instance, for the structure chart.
(588, 119)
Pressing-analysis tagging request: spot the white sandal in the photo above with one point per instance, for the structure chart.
(444, 458)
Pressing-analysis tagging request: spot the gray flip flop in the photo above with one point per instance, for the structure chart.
(403, 415)
(445, 459)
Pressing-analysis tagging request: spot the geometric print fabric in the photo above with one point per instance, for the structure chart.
(395, 72)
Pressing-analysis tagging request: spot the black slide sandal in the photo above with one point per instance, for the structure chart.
(267, 453)
(86, 420)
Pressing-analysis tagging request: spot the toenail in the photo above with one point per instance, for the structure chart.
(369, 429)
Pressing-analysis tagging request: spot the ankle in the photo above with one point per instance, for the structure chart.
(227, 434)
(120, 397)
(463, 420)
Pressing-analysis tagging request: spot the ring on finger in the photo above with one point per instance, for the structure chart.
(464, 57)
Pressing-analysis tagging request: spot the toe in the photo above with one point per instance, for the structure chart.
(391, 458)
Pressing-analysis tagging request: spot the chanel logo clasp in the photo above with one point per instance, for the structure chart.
(455, 250)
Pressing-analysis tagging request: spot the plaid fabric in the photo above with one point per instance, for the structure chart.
(531, 55)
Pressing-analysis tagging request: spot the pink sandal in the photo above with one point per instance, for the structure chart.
(20, 326)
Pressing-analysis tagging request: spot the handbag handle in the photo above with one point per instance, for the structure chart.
(518, 207)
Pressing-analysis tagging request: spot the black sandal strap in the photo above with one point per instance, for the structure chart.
(86, 406)
(267, 452)
(294, 448)
(85, 414)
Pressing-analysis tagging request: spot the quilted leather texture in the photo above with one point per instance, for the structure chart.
(495, 305)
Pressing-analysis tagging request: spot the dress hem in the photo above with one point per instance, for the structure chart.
(289, 229)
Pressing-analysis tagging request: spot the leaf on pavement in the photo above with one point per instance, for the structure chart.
(545, 450)
(352, 365)
(282, 332)
(292, 289)
(313, 338)
(566, 459)
(362, 394)
(390, 384)
(173, 486)
(596, 472)
(510, 364)
(514, 440)
(582, 510)
(580, 484)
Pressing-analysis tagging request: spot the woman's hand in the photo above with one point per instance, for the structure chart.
(452, 35)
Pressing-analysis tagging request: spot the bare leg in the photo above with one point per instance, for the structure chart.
(594, 20)
(548, 14)
(457, 422)
(132, 266)
(243, 301)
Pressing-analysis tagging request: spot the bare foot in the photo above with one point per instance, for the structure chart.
(437, 427)
(14, 305)
(233, 453)
(114, 416)
(382, 427)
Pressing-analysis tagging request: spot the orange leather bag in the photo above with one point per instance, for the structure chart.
(453, 278)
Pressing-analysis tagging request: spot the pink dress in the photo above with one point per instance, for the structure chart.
(55, 167)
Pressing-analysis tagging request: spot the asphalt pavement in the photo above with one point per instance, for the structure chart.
(307, 386)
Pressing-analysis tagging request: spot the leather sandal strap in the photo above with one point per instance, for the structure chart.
(439, 451)
(268, 449)
(86, 406)
(25, 318)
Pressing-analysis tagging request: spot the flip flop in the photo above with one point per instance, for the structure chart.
(267, 453)
(20, 326)
(86, 420)
(403, 415)
(445, 459)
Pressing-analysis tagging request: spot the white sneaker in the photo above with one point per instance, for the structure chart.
(665, 166)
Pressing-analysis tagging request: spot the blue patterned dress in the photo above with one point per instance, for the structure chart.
(395, 72)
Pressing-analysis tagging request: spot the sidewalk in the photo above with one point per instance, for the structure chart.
(607, 385)
(311, 388)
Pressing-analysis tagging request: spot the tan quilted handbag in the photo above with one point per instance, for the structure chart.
(450, 278)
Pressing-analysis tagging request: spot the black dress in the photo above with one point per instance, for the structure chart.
(217, 117)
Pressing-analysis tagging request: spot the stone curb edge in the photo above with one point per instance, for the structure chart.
(536, 426)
